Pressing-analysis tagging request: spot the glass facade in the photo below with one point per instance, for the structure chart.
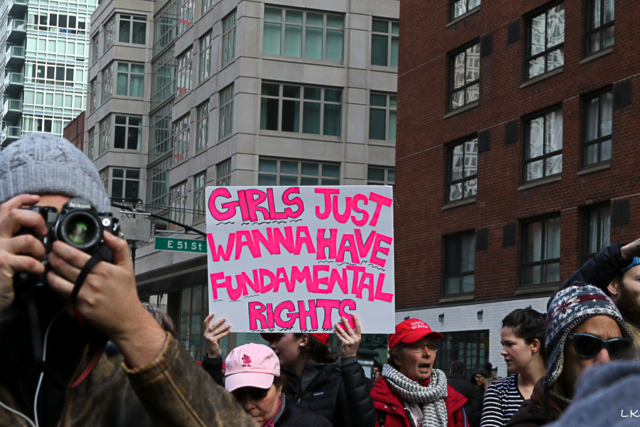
(52, 38)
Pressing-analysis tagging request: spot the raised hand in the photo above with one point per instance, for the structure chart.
(349, 338)
(214, 333)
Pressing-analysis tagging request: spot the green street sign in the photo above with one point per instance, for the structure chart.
(180, 245)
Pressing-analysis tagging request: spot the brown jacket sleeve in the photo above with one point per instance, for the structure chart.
(176, 391)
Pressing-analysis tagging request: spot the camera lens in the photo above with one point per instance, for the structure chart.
(80, 229)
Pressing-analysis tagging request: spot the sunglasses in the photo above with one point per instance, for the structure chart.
(589, 346)
(254, 393)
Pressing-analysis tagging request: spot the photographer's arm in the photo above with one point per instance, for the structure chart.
(19, 253)
(108, 299)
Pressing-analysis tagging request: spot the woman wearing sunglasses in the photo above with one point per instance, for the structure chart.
(253, 377)
(584, 328)
(410, 392)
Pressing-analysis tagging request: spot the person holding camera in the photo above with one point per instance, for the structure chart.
(68, 381)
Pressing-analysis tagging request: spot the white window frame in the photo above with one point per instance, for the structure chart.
(228, 39)
(390, 107)
(181, 136)
(392, 34)
(225, 119)
(204, 63)
(184, 73)
(202, 126)
(199, 186)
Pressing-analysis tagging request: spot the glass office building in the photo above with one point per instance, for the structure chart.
(45, 47)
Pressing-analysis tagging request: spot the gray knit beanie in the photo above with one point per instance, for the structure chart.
(569, 308)
(39, 163)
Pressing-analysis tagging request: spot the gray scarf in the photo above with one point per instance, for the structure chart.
(430, 398)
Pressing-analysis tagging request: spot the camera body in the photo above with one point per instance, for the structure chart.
(79, 225)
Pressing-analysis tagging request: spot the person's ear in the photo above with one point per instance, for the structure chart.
(304, 340)
(535, 346)
(614, 289)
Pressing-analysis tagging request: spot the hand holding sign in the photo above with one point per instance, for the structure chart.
(349, 338)
(214, 333)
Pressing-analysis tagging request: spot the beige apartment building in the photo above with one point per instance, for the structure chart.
(185, 94)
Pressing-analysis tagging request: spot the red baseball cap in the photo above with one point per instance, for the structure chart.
(323, 338)
(410, 331)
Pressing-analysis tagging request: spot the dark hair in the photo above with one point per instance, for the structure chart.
(162, 318)
(457, 367)
(281, 381)
(315, 350)
(527, 324)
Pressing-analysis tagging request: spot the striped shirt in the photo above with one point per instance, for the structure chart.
(502, 400)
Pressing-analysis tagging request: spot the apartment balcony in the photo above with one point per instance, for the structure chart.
(9, 134)
(13, 82)
(17, 7)
(12, 109)
(15, 57)
(16, 31)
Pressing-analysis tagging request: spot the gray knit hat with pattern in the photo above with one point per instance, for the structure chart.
(569, 308)
(39, 163)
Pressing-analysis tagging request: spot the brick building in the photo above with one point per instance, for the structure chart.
(74, 132)
(516, 157)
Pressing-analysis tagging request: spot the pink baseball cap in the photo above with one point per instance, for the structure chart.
(251, 365)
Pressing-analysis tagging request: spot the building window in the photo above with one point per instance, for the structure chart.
(93, 96)
(202, 127)
(128, 132)
(546, 41)
(185, 69)
(132, 29)
(543, 146)
(381, 176)
(597, 128)
(303, 34)
(104, 177)
(283, 107)
(158, 195)
(160, 133)
(460, 7)
(163, 78)
(165, 27)
(95, 43)
(228, 38)
(107, 82)
(58, 75)
(288, 172)
(130, 80)
(541, 252)
(125, 183)
(104, 142)
(204, 69)
(225, 121)
(462, 174)
(206, 5)
(109, 33)
(382, 117)
(181, 135)
(91, 136)
(596, 223)
(384, 43)
(471, 347)
(194, 307)
(459, 261)
(199, 186)
(223, 174)
(178, 204)
(464, 76)
(599, 25)
(185, 17)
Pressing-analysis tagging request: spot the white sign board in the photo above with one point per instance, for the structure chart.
(296, 259)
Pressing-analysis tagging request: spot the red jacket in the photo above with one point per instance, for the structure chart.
(387, 402)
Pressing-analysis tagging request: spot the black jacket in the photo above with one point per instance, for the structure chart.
(338, 391)
(468, 390)
(294, 416)
(599, 271)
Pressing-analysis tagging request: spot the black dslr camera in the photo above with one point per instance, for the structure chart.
(79, 225)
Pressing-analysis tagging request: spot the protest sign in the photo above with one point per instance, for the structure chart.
(297, 259)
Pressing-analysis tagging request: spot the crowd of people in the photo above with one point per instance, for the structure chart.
(114, 361)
